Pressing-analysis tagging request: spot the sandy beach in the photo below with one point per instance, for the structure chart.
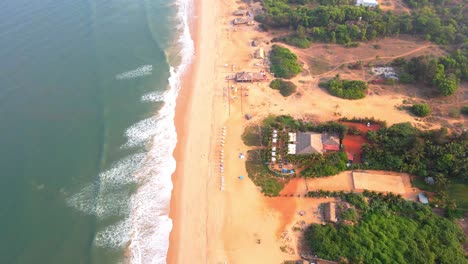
(213, 226)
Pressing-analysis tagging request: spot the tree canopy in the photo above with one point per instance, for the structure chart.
(337, 21)
(389, 230)
(283, 62)
(285, 88)
(347, 89)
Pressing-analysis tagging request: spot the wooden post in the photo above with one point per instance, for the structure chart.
(229, 98)
(241, 95)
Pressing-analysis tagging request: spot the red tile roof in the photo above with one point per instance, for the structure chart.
(331, 147)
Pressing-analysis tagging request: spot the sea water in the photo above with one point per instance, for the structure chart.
(87, 99)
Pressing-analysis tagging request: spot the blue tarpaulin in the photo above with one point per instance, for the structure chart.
(241, 177)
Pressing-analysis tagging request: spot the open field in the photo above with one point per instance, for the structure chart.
(378, 182)
(459, 192)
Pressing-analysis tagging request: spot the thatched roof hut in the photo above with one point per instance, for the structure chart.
(329, 212)
(249, 77)
(240, 21)
(240, 12)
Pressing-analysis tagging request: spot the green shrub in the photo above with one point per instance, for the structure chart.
(286, 88)
(261, 175)
(454, 113)
(464, 110)
(347, 89)
(407, 78)
(283, 62)
(421, 110)
(352, 45)
(252, 136)
(295, 40)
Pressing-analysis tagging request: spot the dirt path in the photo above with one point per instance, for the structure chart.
(302, 53)
(368, 59)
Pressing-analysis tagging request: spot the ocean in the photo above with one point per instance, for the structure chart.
(87, 99)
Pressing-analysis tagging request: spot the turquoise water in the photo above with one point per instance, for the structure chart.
(65, 106)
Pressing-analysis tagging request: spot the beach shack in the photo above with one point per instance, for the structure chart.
(330, 142)
(240, 12)
(329, 212)
(249, 77)
(260, 54)
(240, 21)
(369, 3)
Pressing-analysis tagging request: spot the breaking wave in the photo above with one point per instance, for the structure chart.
(153, 97)
(138, 72)
(108, 196)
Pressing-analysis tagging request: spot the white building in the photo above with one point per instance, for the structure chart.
(371, 3)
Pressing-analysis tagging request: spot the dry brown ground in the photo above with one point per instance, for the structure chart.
(378, 182)
(397, 6)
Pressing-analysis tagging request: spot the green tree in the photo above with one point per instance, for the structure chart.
(421, 110)
(283, 62)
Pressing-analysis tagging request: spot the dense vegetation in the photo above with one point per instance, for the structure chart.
(328, 165)
(421, 110)
(402, 147)
(252, 136)
(284, 122)
(444, 73)
(260, 174)
(283, 62)
(435, 154)
(338, 22)
(347, 89)
(389, 230)
(285, 88)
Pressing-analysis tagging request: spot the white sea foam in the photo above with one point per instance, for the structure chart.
(153, 97)
(142, 131)
(150, 224)
(108, 195)
(114, 236)
(138, 72)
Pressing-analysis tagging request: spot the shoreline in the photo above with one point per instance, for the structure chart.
(184, 103)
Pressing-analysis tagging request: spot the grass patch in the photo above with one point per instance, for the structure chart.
(252, 136)
(259, 173)
(459, 192)
(419, 183)
(317, 66)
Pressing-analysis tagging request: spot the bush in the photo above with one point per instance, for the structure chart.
(464, 110)
(347, 89)
(352, 45)
(261, 175)
(286, 88)
(294, 40)
(454, 113)
(421, 110)
(283, 62)
(252, 136)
